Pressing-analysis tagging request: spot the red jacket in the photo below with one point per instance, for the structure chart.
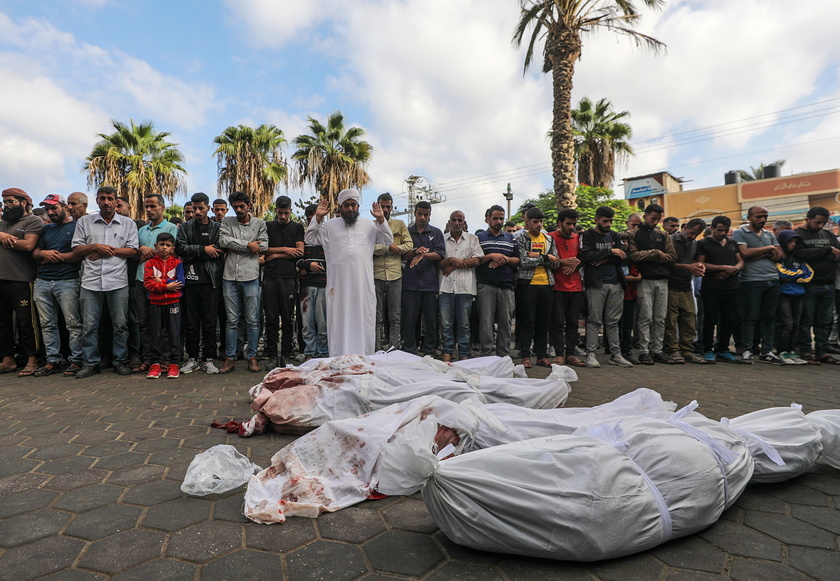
(567, 248)
(167, 271)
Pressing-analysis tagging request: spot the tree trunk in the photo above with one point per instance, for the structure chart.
(563, 49)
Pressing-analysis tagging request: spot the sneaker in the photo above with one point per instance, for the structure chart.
(209, 367)
(87, 371)
(154, 371)
(771, 357)
(630, 358)
(592, 361)
(747, 357)
(660, 358)
(709, 356)
(727, 357)
(645, 359)
(190, 366)
(620, 361)
(122, 368)
(785, 357)
(174, 372)
(796, 359)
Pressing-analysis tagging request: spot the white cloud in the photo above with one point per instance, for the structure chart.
(273, 24)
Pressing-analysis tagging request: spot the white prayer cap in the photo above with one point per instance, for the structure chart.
(349, 194)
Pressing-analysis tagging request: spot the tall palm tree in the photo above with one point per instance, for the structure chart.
(560, 24)
(332, 158)
(600, 140)
(137, 161)
(250, 160)
(757, 173)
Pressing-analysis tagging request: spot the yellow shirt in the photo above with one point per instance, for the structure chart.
(387, 266)
(539, 244)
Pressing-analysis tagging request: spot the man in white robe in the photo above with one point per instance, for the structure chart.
(348, 248)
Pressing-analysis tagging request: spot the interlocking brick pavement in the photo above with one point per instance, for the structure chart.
(90, 473)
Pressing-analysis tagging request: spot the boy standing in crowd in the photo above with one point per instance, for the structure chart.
(163, 277)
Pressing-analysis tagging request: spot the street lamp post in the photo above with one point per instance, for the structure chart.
(508, 196)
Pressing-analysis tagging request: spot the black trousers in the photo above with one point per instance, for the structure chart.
(720, 309)
(533, 312)
(16, 298)
(565, 314)
(200, 307)
(165, 317)
(279, 298)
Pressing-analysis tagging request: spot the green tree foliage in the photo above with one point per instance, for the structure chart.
(137, 161)
(250, 160)
(173, 210)
(600, 141)
(757, 173)
(332, 157)
(559, 26)
(589, 198)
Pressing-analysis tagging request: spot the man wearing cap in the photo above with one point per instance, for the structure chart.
(57, 287)
(19, 233)
(348, 247)
(106, 241)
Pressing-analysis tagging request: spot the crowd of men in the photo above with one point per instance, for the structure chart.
(110, 291)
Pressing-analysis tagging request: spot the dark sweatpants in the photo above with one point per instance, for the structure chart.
(16, 297)
(200, 309)
(168, 317)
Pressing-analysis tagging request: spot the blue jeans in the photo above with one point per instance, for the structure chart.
(817, 312)
(92, 303)
(759, 301)
(50, 296)
(313, 310)
(455, 316)
(242, 299)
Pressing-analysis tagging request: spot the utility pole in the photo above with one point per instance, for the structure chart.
(419, 190)
(508, 196)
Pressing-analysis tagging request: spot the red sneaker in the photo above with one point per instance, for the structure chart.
(174, 372)
(154, 371)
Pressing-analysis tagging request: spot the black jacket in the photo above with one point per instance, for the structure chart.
(591, 251)
(816, 251)
(189, 250)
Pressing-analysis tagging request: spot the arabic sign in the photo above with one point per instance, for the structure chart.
(800, 185)
(642, 188)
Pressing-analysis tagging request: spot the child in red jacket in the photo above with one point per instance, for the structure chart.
(164, 278)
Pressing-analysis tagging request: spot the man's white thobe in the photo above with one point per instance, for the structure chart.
(351, 297)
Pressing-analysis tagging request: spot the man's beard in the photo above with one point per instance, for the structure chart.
(12, 215)
(350, 217)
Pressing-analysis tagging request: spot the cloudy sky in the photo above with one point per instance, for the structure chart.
(436, 85)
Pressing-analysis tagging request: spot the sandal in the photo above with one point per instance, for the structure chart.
(9, 370)
(544, 362)
(27, 371)
(676, 359)
(828, 359)
(559, 360)
(72, 370)
(575, 361)
(142, 368)
(809, 359)
(526, 363)
(47, 369)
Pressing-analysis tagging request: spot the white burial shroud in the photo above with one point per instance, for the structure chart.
(298, 399)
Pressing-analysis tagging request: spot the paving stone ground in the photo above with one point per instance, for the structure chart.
(90, 473)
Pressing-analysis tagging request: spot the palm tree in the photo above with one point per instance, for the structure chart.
(332, 158)
(137, 161)
(757, 173)
(600, 139)
(561, 24)
(249, 160)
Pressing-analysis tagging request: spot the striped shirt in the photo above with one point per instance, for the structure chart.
(504, 276)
